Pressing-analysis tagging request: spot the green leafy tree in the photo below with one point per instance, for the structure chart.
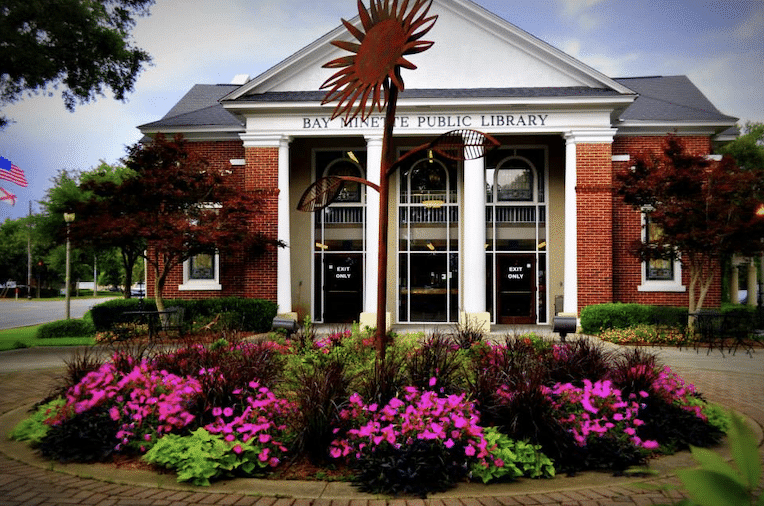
(84, 45)
(706, 210)
(13, 251)
(93, 205)
(178, 203)
(748, 149)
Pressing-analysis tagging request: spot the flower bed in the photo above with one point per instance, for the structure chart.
(438, 411)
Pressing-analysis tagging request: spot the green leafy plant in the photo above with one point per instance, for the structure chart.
(201, 456)
(511, 459)
(716, 481)
(34, 428)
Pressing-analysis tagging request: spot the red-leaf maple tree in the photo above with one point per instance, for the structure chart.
(706, 210)
(179, 204)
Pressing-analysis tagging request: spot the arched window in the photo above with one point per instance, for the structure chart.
(514, 182)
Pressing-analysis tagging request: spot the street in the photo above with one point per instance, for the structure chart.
(22, 312)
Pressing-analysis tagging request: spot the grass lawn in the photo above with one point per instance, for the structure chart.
(24, 337)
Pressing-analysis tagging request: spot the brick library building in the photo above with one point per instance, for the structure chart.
(531, 230)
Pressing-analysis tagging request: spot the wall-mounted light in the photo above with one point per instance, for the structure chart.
(322, 246)
(430, 246)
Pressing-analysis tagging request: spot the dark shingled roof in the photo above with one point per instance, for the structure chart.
(200, 107)
(664, 99)
(670, 98)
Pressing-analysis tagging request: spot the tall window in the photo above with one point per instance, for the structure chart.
(516, 235)
(339, 238)
(662, 275)
(428, 242)
(661, 269)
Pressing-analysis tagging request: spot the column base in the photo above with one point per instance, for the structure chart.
(370, 320)
(480, 321)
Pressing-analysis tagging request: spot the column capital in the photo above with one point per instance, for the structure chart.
(590, 136)
(265, 140)
(372, 139)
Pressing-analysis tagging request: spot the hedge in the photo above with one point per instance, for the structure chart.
(617, 315)
(252, 315)
(66, 328)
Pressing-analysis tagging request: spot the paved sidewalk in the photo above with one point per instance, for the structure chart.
(26, 479)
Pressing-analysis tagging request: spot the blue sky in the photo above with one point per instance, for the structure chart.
(718, 44)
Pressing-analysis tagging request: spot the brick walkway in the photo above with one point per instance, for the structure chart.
(25, 484)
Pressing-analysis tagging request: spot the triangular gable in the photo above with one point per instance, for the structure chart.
(474, 49)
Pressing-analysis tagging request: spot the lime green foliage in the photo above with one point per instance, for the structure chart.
(34, 428)
(717, 416)
(520, 459)
(201, 456)
(716, 482)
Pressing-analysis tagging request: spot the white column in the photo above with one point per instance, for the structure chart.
(371, 276)
(284, 269)
(571, 229)
(473, 247)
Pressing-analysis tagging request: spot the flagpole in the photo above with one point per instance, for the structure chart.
(29, 253)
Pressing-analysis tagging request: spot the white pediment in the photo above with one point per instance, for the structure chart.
(473, 49)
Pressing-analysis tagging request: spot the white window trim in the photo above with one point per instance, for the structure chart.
(201, 284)
(675, 285)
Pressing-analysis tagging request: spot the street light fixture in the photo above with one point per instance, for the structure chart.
(68, 218)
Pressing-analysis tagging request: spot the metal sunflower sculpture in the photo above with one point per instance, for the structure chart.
(390, 32)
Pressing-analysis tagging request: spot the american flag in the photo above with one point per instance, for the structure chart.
(10, 172)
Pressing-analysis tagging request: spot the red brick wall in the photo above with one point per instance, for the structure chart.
(239, 276)
(261, 178)
(595, 218)
(627, 228)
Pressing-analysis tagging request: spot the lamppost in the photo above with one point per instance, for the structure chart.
(68, 218)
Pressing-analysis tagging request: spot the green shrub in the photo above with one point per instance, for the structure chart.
(106, 314)
(65, 328)
(617, 315)
(254, 315)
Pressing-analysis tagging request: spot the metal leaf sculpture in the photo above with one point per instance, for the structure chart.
(388, 34)
(325, 190)
(463, 144)
(320, 194)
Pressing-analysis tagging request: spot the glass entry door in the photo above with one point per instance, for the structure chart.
(343, 285)
(428, 242)
(516, 288)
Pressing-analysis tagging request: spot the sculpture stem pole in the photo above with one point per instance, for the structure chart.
(388, 158)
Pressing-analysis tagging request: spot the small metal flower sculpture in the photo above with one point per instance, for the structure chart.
(389, 33)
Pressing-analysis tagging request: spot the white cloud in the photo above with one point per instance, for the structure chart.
(612, 65)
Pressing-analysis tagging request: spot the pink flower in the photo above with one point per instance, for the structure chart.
(238, 449)
(433, 381)
(469, 450)
(650, 445)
